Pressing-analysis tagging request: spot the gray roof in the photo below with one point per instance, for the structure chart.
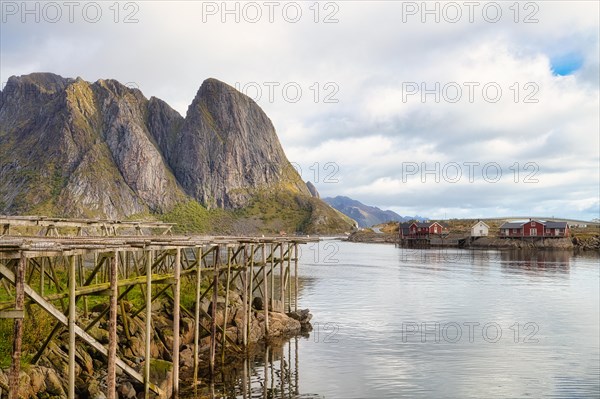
(548, 225)
(556, 225)
(512, 225)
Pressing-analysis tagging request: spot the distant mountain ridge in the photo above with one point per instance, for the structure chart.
(365, 215)
(73, 148)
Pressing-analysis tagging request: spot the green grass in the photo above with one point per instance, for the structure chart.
(191, 217)
(36, 326)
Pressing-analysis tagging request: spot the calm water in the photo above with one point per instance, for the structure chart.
(392, 323)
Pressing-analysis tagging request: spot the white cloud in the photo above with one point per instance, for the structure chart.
(367, 56)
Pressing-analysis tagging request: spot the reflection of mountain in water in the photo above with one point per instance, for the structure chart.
(535, 262)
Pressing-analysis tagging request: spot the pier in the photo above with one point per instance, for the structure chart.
(58, 264)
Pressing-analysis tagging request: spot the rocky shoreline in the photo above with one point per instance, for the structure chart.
(48, 378)
(369, 236)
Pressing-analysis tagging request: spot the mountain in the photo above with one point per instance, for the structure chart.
(78, 149)
(365, 215)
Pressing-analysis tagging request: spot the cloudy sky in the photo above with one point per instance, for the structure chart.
(442, 109)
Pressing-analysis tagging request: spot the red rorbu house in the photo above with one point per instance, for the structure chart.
(534, 228)
(404, 230)
(425, 229)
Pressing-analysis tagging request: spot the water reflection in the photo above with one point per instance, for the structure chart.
(535, 262)
(367, 302)
(543, 262)
(268, 372)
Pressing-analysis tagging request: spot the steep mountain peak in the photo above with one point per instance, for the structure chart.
(118, 89)
(231, 149)
(216, 84)
(45, 81)
(215, 97)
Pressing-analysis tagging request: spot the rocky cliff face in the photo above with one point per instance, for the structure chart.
(74, 148)
(231, 149)
(79, 149)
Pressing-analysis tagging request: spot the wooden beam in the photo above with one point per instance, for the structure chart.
(12, 314)
(92, 289)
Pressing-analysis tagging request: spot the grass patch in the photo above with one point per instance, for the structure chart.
(36, 326)
(191, 217)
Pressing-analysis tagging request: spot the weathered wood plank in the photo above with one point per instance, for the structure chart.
(12, 314)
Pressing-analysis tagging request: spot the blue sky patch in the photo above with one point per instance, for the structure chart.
(566, 64)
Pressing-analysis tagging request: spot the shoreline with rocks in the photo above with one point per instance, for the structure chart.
(48, 378)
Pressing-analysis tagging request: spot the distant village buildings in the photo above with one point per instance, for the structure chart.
(421, 229)
(480, 229)
(522, 229)
(534, 228)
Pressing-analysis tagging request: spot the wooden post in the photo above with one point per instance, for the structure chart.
(296, 277)
(213, 329)
(245, 380)
(251, 290)
(197, 312)
(42, 277)
(266, 288)
(272, 265)
(15, 367)
(281, 277)
(111, 377)
(266, 283)
(296, 368)
(176, 300)
(72, 317)
(266, 372)
(81, 283)
(245, 306)
(225, 312)
(288, 276)
(282, 372)
(149, 332)
(250, 380)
